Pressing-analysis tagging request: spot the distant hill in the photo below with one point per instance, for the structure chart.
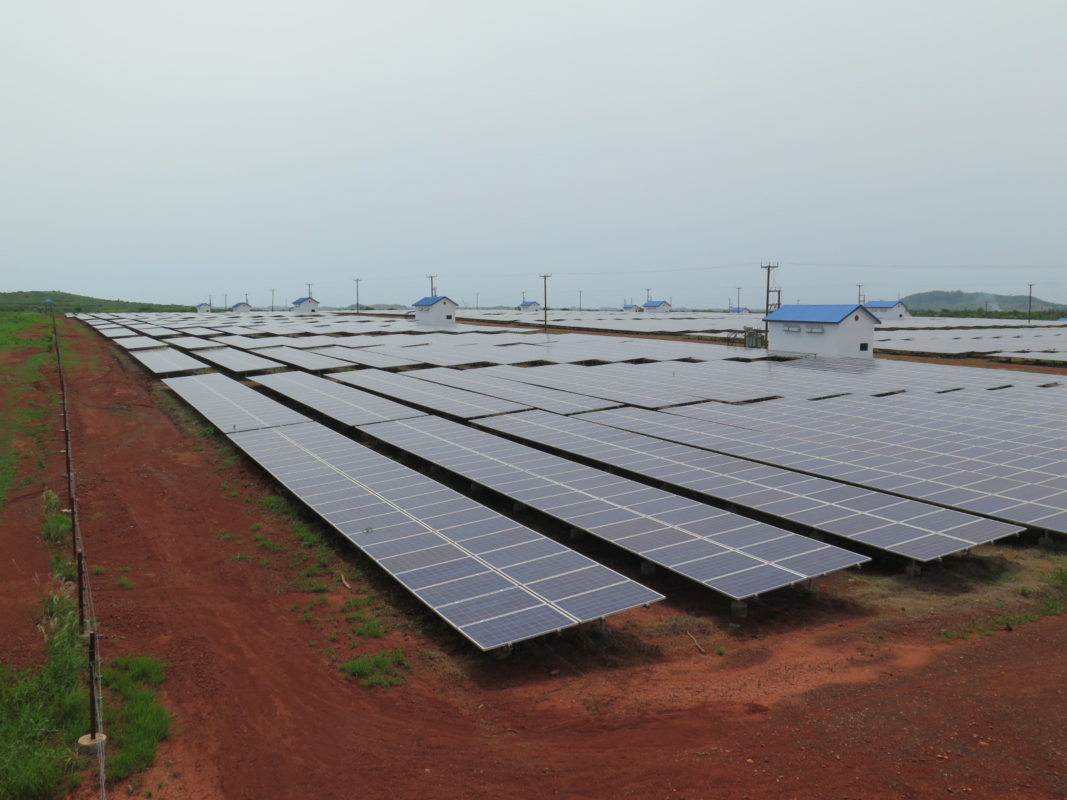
(64, 301)
(975, 301)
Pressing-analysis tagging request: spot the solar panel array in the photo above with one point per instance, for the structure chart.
(729, 553)
(313, 362)
(912, 529)
(343, 403)
(230, 405)
(492, 579)
(1000, 457)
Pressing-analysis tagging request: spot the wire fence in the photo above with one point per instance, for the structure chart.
(86, 605)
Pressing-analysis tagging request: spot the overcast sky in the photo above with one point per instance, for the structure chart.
(165, 151)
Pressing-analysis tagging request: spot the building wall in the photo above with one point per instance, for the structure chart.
(661, 309)
(836, 340)
(306, 308)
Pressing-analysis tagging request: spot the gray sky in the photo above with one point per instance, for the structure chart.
(160, 152)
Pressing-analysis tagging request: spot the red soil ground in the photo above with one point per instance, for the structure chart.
(801, 705)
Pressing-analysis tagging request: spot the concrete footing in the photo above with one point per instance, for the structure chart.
(738, 608)
(90, 745)
(1045, 540)
(913, 569)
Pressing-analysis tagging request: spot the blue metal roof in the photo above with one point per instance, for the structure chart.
(300, 300)
(656, 303)
(832, 314)
(529, 303)
(429, 301)
(881, 303)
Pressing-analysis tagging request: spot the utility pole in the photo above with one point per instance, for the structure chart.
(579, 299)
(476, 301)
(648, 295)
(433, 289)
(767, 300)
(210, 305)
(545, 276)
(1029, 303)
(357, 280)
(225, 302)
(272, 291)
(309, 288)
(524, 296)
(738, 299)
(859, 294)
(246, 299)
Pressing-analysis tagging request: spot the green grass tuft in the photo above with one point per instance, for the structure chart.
(379, 670)
(138, 723)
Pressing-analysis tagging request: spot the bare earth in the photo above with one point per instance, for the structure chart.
(832, 695)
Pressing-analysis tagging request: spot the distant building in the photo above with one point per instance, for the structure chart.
(435, 311)
(828, 331)
(888, 310)
(631, 307)
(740, 310)
(657, 307)
(240, 308)
(528, 305)
(305, 305)
(203, 308)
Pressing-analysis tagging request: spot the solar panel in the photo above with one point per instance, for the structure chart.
(139, 342)
(436, 397)
(726, 552)
(192, 342)
(493, 580)
(905, 527)
(527, 394)
(237, 361)
(343, 403)
(313, 362)
(166, 360)
(230, 405)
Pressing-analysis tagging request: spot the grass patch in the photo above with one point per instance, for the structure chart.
(43, 711)
(124, 582)
(239, 556)
(1047, 602)
(380, 670)
(268, 544)
(311, 585)
(137, 722)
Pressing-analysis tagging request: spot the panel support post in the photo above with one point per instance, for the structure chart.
(79, 565)
(738, 608)
(914, 569)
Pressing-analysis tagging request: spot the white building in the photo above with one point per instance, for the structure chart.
(305, 305)
(888, 310)
(631, 307)
(823, 331)
(203, 308)
(240, 308)
(436, 311)
(657, 307)
(528, 305)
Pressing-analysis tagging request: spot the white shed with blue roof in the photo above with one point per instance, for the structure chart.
(528, 305)
(833, 331)
(203, 308)
(657, 307)
(888, 310)
(305, 305)
(436, 311)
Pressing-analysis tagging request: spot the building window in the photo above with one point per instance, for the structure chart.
(791, 328)
(448, 316)
(863, 346)
(816, 329)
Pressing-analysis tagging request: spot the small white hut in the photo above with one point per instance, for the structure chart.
(657, 307)
(240, 308)
(528, 305)
(436, 311)
(888, 310)
(305, 305)
(203, 308)
(823, 331)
